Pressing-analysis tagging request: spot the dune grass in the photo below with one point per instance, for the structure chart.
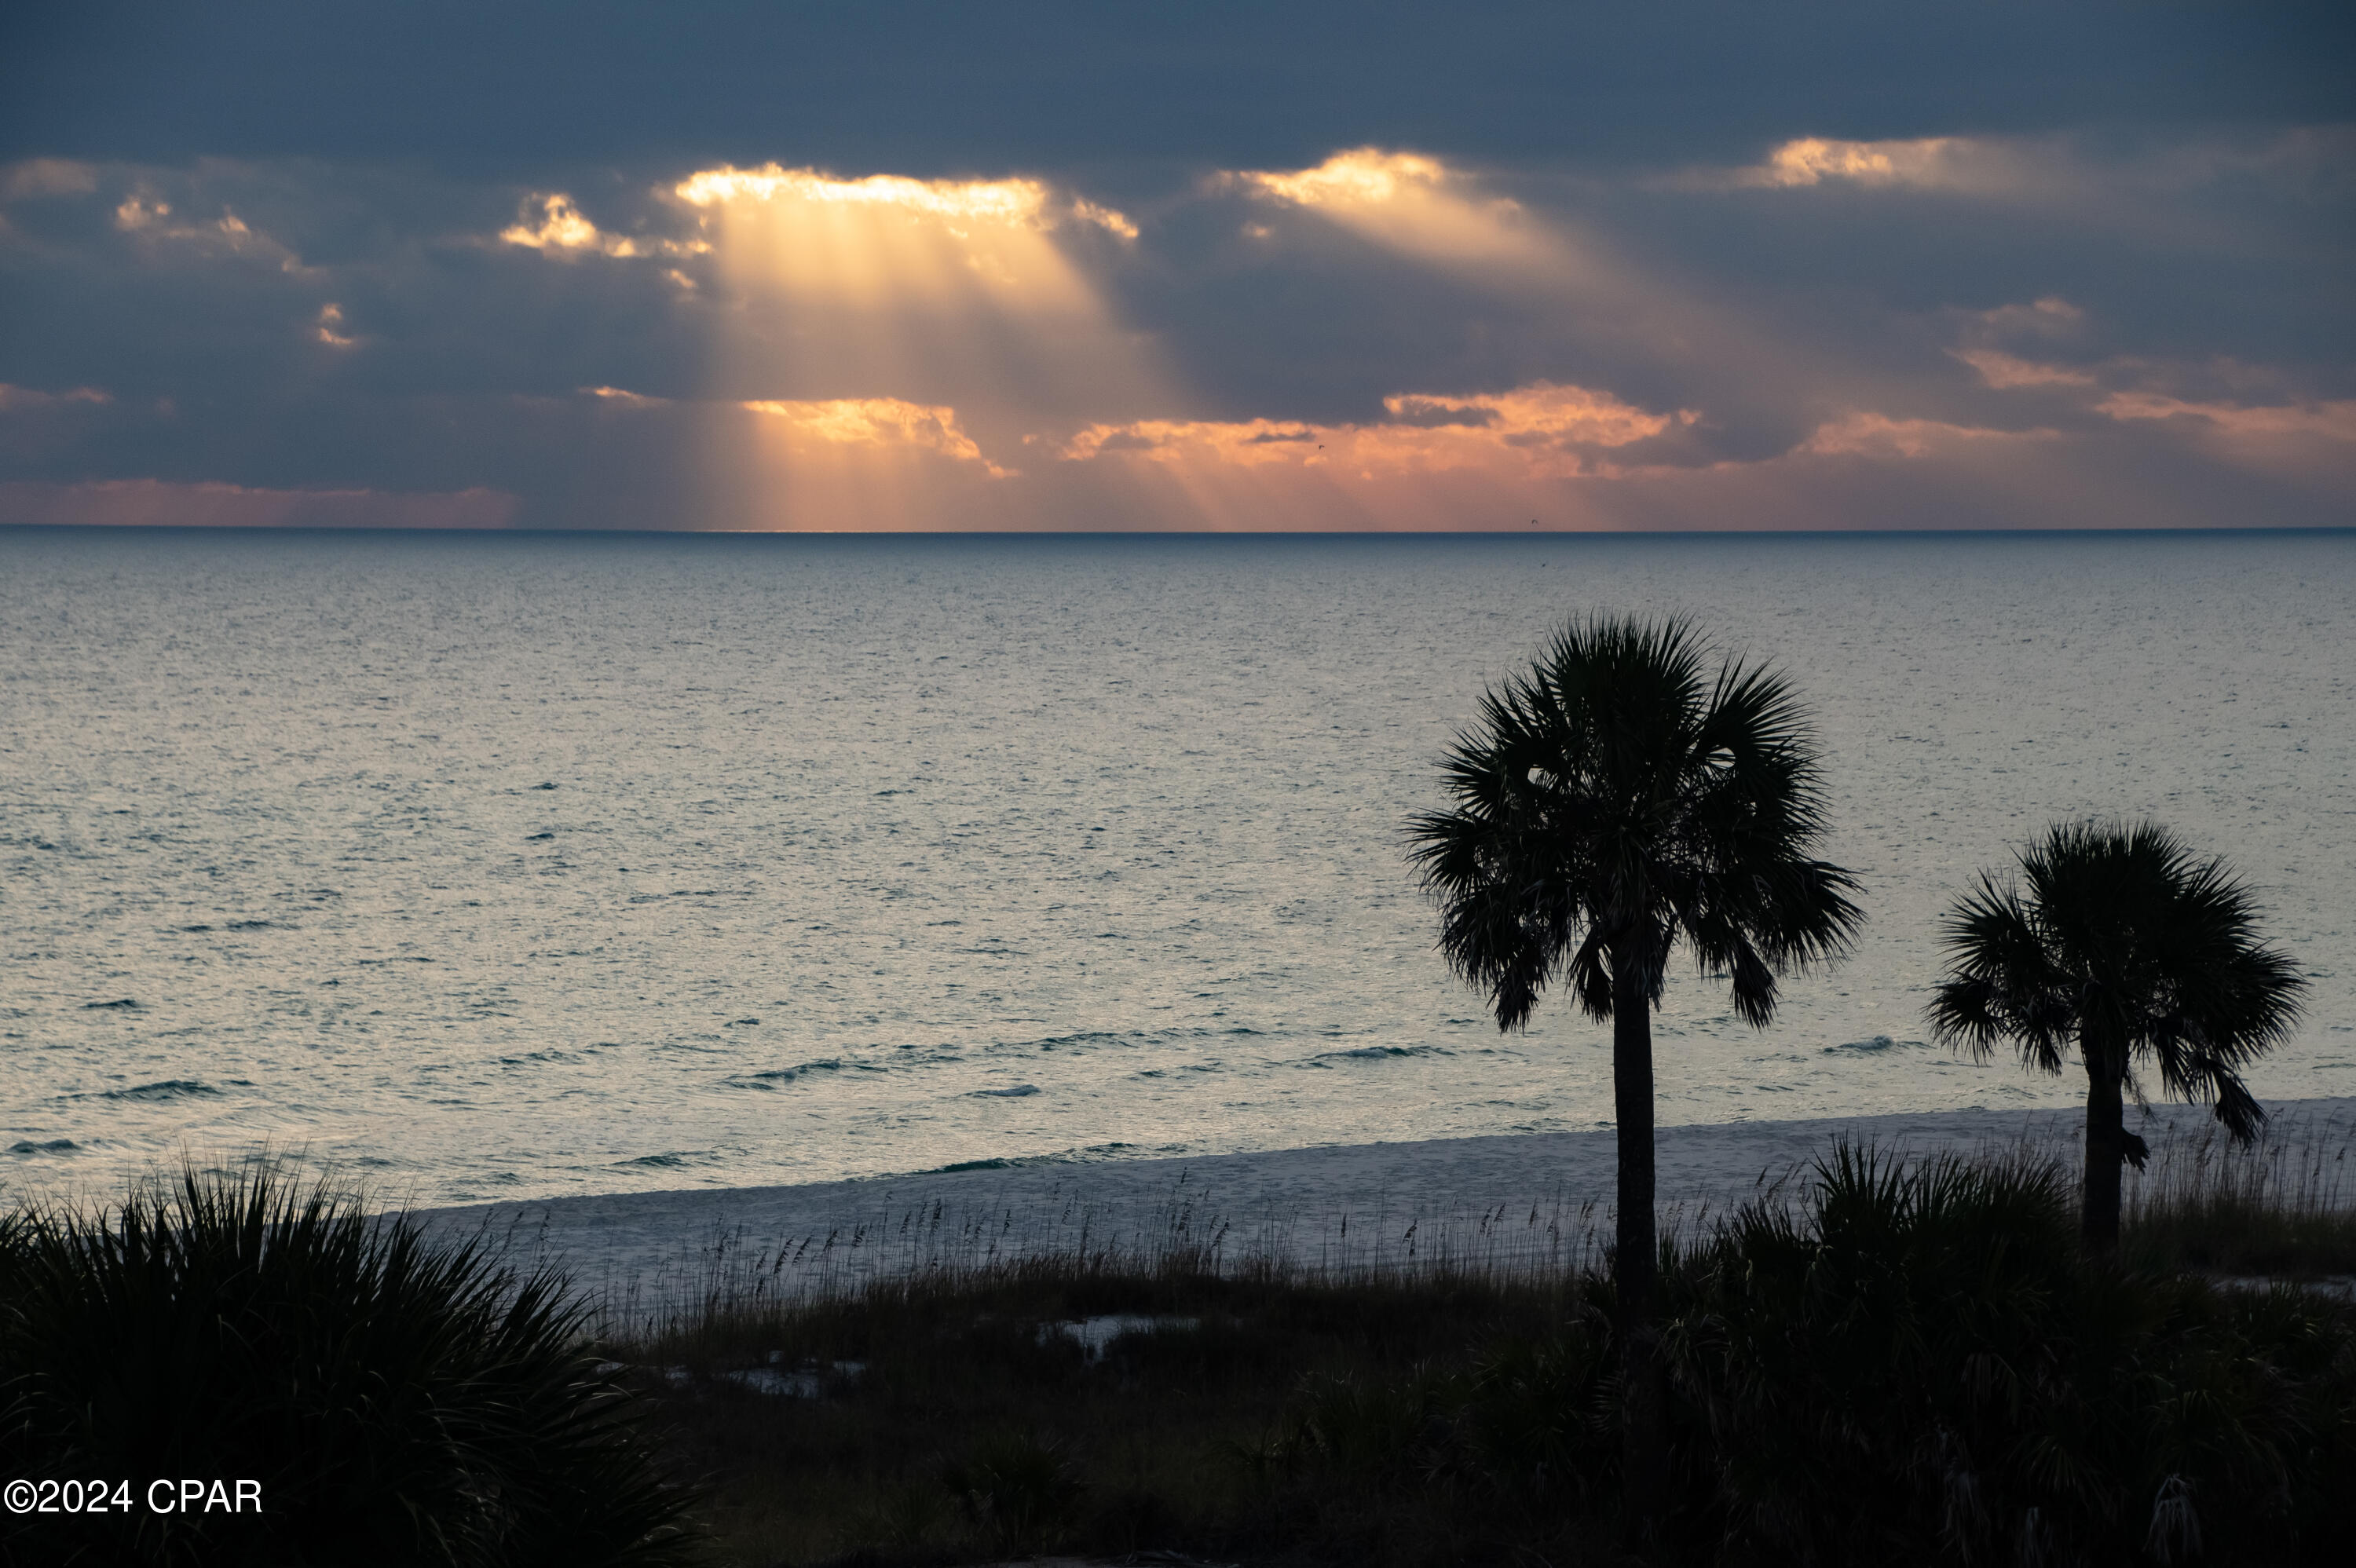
(955, 1420)
(1886, 1362)
(2283, 1208)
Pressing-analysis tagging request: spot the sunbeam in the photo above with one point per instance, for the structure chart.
(903, 334)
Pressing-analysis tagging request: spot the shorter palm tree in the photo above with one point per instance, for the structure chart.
(2124, 944)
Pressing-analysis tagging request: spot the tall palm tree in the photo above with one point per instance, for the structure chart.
(1616, 800)
(2125, 946)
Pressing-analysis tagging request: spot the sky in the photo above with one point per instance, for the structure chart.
(1052, 266)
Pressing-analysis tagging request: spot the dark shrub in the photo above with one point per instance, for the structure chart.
(1018, 1489)
(398, 1400)
(1923, 1368)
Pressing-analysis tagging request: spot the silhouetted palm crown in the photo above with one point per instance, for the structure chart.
(1616, 799)
(2124, 944)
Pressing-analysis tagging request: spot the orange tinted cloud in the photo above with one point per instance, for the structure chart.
(1362, 176)
(329, 329)
(882, 422)
(625, 399)
(2331, 420)
(1867, 435)
(2313, 441)
(1539, 430)
(1485, 460)
(2004, 371)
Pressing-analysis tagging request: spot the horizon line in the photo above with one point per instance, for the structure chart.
(317, 530)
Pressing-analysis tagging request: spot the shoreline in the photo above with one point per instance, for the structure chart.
(1526, 1199)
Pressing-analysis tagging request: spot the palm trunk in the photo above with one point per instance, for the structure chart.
(2098, 1215)
(1636, 1263)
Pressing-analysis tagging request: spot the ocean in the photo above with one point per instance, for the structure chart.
(500, 867)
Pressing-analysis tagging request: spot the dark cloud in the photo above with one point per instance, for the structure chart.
(517, 88)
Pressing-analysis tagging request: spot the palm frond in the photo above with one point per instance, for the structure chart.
(2119, 939)
(1617, 799)
(2002, 982)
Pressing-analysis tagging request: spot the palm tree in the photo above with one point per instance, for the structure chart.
(2125, 946)
(1612, 802)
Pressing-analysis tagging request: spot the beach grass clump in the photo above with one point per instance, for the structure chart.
(2280, 1207)
(362, 1394)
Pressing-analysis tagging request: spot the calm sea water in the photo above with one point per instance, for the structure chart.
(512, 866)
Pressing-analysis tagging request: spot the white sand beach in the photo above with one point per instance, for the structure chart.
(1520, 1200)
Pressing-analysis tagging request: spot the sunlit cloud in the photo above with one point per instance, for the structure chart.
(1541, 431)
(878, 422)
(140, 210)
(155, 503)
(996, 201)
(1362, 176)
(890, 241)
(1023, 202)
(1813, 160)
(851, 465)
(150, 221)
(807, 425)
(563, 229)
(2099, 181)
(1408, 201)
(1966, 165)
(329, 329)
(1109, 220)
